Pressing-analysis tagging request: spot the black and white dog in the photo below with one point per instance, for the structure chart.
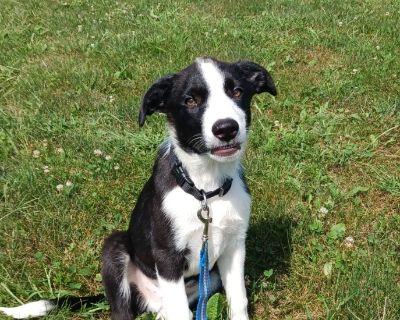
(153, 266)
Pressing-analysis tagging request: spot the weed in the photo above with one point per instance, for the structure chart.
(322, 161)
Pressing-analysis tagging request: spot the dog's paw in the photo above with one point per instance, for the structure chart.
(162, 316)
(240, 317)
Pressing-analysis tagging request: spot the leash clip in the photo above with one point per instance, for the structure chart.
(207, 219)
(204, 205)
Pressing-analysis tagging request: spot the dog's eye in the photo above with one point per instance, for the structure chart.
(190, 102)
(237, 92)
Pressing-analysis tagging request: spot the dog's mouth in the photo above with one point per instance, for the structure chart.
(226, 150)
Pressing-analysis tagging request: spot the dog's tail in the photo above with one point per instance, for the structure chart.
(43, 307)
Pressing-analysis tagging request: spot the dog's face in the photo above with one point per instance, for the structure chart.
(208, 105)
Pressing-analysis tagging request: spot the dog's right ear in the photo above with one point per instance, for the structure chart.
(156, 98)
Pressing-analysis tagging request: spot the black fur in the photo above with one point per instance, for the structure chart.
(168, 95)
(149, 244)
(149, 238)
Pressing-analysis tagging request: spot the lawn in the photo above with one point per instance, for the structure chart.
(323, 160)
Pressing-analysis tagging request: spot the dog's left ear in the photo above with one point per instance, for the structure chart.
(257, 76)
(155, 99)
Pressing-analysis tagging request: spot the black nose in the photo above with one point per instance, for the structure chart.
(225, 129)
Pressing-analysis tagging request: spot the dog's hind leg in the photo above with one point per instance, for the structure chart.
(122, 297)
(192, 287)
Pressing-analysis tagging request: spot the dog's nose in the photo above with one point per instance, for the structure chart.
(225, 129)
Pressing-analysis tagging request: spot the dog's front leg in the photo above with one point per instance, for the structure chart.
(175, 304)
(231, 268)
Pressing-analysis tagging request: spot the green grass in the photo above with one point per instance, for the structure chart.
(71, 76)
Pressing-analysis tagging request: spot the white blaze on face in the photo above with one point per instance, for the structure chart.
(218, 105)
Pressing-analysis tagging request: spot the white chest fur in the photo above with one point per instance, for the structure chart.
(230, 215)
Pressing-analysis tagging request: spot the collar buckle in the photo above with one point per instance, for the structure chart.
(183, 180)
(180, 175)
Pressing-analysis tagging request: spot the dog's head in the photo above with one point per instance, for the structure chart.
(208, 105)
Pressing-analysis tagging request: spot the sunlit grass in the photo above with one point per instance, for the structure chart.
(323, 161)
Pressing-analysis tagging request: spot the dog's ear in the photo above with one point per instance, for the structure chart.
(155, 99)
(257, 76)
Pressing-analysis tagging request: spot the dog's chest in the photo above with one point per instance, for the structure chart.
(230, 216)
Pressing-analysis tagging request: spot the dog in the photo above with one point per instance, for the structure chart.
(154, 265)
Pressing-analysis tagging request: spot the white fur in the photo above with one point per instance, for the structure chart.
(32, 309)
(124, 287)
(151, 296)
(231, 268)
(230, 221)
(149, 288)
(230, 213)
(219, 106)
(175, 302)
(227, 231)
(230, 216)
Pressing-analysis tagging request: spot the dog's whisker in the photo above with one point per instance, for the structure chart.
(142, 266)
(195, 138)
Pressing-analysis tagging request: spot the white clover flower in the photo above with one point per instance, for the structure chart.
(387, 13)
(323, 211)
(349, 242)
(59, 187)
(354, 71)
(98, 152)
(116, 167)
(377, 47)
(68, 183)
(111, 99)
(108, 157)
(46, 169)
(36, 153)
(340, 23)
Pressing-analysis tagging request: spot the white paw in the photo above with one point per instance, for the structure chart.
(240, 317)
(161, 315)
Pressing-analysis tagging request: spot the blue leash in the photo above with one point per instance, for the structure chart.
(183, 180)
(204, 283)
(204, 276)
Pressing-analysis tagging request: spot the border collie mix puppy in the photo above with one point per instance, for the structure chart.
(153, 266)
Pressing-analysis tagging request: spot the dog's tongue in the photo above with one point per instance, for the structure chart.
(225, 151)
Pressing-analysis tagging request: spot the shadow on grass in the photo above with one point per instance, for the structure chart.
(269, 246)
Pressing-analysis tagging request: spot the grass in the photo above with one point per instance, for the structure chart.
(323, 161)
